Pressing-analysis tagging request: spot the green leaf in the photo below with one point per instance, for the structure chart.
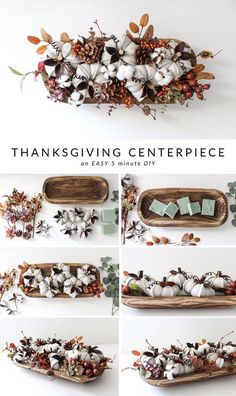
(107, 294)
(228, 194)
(116, 302)
(105, 259)
(14, 71)
(234, 222)
(142, 371)
(148, 374)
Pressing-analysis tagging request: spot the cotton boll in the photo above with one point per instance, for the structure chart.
(64, 81)
(125, 72)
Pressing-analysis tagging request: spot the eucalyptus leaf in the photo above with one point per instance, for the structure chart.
(14, 71)
(105, 281)
(234, 222)
(148, 374)
(233, 208)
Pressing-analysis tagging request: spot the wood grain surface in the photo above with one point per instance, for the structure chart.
(59, 374)
(193, 377)
(76, 190)
(167, 195)
(143, 302)
(46, 271)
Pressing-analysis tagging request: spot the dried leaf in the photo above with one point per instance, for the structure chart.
(190, 237)
(205, 76)
(136, 353)
(185, 237)
(133, 27)
(149, 243)
(65, 38)
(45, 36)
(148, 35)
(41, 49)
(197, 239)
(33, 40)
(156, 239)
(144, 20)
(206, 54)
(126, 273)
(164, 240)
(198, 68)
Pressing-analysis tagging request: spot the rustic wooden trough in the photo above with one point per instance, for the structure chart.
(167, 195)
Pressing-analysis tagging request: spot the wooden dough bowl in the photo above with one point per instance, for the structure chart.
(167, 195)
(87, 190)
(143, 302)
(59, 374)
(193, 377)
(46, 271)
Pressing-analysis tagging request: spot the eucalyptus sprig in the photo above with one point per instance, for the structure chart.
(232, 194)
(111, 281)
(128, 200)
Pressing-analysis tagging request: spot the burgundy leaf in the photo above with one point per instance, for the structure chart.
(180, 47)
(50, 62)
(186, 56)
(91, 91)
(83, 85)
(115, 58)
(111, 50)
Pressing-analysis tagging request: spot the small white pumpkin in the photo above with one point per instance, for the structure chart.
(189, 284)
(217, 280)
(178, 277)
(229, 349)
(161, 289)
(202, 290)
(147, 360)
(218, 360)
(141, 280)
(54, 360)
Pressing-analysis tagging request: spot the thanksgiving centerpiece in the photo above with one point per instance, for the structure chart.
(71, 359)
(183, 363)
(138, 69)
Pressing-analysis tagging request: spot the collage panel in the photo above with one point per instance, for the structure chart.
(59, 210)
(62, 282)
(178, 282)
(178, 210)
(176, 356)
(54, 355)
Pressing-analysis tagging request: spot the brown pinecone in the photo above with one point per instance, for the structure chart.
(91, 52)
(143, 56)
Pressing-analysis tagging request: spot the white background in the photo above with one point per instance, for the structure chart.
(32, 185)
(214, 236)
(158, 262)
(165, 331)
(209, 25)
(17, 380)
(59, 307)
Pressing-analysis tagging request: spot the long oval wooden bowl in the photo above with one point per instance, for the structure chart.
(85, 190)
(179, 302)
(167, 195)
(193, 377)
(59, 374)
(46, 271)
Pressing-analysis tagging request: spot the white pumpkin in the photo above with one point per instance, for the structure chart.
(32, 277)
(217, 280)
(163, 76)
(189, 284)
(202, 290)
(161, 289)
(218, 360)
(126, 50)
(141, 280)
(178, 277)
(73, 354)
(49, 287)
(60, 272)
(136, 84)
